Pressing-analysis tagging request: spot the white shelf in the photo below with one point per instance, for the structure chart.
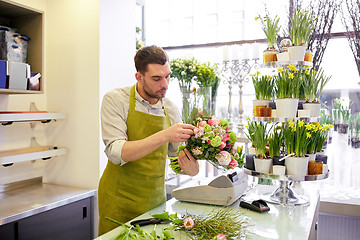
(29, 154)
(9, 118)
(286, 63)
(272, 119)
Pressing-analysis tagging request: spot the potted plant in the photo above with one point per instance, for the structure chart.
(355, 141)
(296, 139)
(345, 117)
(184, 70)
(275, 144)
(287, 90)
(264, 91)
(313, 83)
(336, 112)
(300, 33)
(271, 28)
(258, 134)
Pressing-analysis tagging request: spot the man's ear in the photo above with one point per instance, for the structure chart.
(138, 76)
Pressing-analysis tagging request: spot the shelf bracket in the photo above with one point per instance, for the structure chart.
(7, 123)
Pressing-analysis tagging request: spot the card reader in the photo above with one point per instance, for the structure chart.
(257, 206)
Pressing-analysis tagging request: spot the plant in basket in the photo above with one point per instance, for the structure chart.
(264, 91)
(258, 134)
(212, 141)
(271, 28)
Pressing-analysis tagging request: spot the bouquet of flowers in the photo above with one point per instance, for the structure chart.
(213, 141)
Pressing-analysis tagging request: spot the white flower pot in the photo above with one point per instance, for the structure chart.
(283, 57)
(312, 156)
(302, 113)
(314, 109)
(296, 166)
(262, 102)
(286, 107)
(263, 165)
(297, 53)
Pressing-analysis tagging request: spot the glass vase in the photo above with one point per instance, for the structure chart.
(204, 99)
(186, 103)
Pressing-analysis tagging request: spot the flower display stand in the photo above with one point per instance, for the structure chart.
(285, 194)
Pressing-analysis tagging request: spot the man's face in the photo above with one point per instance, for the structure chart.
(155, 81)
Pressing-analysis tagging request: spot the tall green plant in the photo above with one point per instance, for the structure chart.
(301, 27)
(275, 141)
(263, 85)
(296, 138)
(288, 82)
(258, 134)
(314, 82)
(271, 28)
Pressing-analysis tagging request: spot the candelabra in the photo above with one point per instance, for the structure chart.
(236, 72)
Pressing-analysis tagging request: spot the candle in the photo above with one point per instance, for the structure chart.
(245, 51)
(255, 48)
(226, 53)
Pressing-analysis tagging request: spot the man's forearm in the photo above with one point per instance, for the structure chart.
(134, 150)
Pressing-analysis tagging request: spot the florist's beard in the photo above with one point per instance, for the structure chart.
(158, 94)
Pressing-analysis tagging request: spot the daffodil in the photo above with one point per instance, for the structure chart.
(291, 75)
(308, 135)
(291, 123)
(293, 68)
(280, 69)
(301, 123)
(308, 126)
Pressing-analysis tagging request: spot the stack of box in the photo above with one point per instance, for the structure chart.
(14, 71)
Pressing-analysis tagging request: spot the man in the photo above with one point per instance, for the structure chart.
(139, 127)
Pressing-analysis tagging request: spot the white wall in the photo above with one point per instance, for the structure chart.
(117, 50)
(72, 62)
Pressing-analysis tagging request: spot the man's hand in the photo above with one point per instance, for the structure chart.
(179, 132)
(188, 163)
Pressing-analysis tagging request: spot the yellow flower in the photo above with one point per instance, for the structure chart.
(308, 127)
(294, 129)
(268, 78)
(291, 76)
(308, 135)
(256, 18)
(291, 123)
(301, 123)
(307, 72)
(247, 119)
(280, 69)
(293, 68)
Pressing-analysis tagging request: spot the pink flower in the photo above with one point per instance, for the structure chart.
(202, 123)
(233, 164)
(188, 223)
(223, 158)
(226, 137)
(200, 112)
(197, 151)
(221, 236)
(214, 121)
(222, 145)
(198, 132)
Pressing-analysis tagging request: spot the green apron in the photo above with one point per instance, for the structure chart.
(128, 191)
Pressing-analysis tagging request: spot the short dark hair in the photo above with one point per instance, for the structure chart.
(148, 55)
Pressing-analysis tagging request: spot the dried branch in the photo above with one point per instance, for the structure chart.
(324, 13)
(351, 20)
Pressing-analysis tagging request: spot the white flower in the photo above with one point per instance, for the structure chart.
(224, 158)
